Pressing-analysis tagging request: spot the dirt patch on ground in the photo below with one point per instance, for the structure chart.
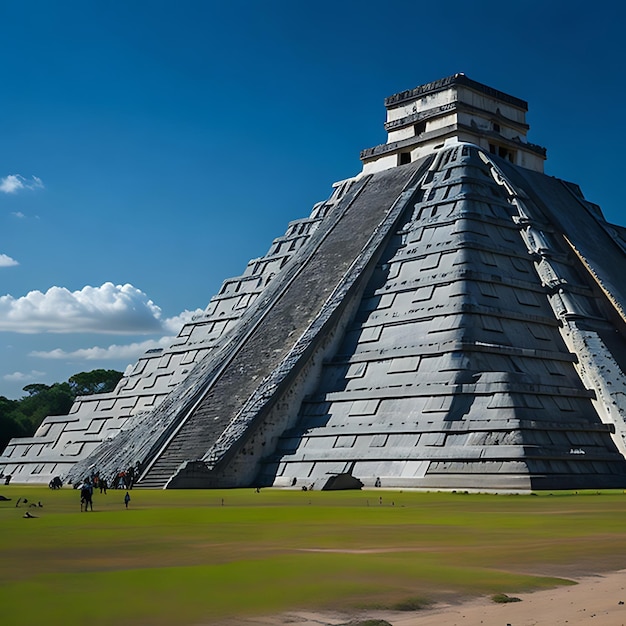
(594, 600)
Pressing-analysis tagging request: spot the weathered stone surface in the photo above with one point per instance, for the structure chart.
(450, 318)
(463, 377)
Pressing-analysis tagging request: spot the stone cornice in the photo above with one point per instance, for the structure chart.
(444, 133)
(445, 108)
(445, 83)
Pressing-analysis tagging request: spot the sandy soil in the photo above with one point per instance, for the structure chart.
(598, 600)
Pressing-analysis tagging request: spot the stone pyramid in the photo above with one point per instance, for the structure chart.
(450, 318)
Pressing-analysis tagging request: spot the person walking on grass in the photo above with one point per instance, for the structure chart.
(86, 495)
(127, 499)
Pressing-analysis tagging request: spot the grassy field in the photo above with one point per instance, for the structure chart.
(203, 557)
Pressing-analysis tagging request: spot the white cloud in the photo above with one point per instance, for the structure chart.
(18, 214)
(174, 324)
(7, 261)
(15, 182)
(113, 309)
(11, 184)
(129, 352)
(21, 377)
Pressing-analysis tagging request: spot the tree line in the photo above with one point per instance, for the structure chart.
(21, 418)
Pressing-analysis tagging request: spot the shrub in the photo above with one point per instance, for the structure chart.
(502, 598)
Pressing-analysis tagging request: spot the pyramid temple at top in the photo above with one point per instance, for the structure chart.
(451, 317)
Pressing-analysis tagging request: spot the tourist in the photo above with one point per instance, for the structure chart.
(86, 496)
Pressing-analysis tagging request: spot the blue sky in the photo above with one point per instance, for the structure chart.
(148, 149)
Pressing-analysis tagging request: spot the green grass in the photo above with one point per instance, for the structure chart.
(206, 557)
(502, 598)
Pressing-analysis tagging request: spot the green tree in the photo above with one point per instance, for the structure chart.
(9, 426)
(96, 381)
(35, 388)
(43, 400)
(21, 418)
